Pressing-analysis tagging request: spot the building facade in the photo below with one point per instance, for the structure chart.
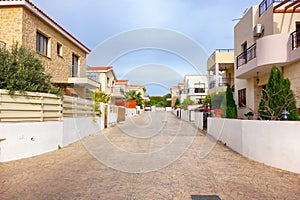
(195, 87)
(267, 35)
(220, 68)
(63, 55)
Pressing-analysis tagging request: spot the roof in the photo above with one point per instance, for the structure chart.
(121, 81)
(33, 8)
(105, 68)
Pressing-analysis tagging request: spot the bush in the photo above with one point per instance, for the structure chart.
(277, 97)
(21, 71)
(228, 104)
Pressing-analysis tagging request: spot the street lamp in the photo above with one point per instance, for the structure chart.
(285, 115)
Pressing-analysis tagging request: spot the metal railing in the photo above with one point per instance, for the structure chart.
(246, 56)
(295, 39)
(222, 82)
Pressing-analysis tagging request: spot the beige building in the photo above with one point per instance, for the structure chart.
(174, 94)
(220, 67)
(105, 76)
(267, 35)
(63, 55)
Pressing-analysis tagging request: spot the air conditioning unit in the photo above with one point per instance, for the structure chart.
(258, 30)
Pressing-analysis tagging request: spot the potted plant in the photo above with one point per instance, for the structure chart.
(249, 115)
(218, 112)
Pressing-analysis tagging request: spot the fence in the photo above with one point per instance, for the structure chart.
(76, 107)
(30, 107)
(41, 107)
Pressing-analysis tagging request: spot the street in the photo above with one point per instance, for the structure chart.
(152, 156)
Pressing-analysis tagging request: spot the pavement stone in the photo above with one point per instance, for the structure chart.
(73, 173)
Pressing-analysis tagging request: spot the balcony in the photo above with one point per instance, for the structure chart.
(222, 82)
(265, 4)
(78, 77)
(277, 49)
(295, 39)
(117, 91)
(246, 56)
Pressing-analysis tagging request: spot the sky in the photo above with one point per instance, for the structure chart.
(150, 42)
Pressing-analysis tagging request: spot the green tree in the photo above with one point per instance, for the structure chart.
(277, 97)
(228, 104)
(135, 95)
(187, 102)
(216, 100)
(177, 103)
(99, 97)
(21, 71)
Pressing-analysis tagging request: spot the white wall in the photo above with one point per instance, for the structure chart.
(29, 139)
(275, 143)
(185, 115)
(130, 112)
(23, 140)
(75, 129)
(199, 120)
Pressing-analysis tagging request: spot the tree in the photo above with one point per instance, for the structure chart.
(277, 97)
(98, 97)
(177, 103)
(187, 102)
(21, 71)
(135, 95)
(228, 105)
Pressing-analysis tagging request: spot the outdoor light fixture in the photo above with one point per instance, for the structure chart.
(257, 79)
(285, 115)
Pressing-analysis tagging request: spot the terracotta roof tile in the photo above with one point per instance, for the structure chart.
(100, 68)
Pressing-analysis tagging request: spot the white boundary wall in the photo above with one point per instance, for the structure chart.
(199, 120)
(274, 143)
(29, 139)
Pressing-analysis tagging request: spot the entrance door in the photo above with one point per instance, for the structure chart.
(105, 116)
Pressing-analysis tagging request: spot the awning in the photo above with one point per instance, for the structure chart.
(288, 6)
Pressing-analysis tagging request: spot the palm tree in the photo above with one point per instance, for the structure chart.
(135, 95)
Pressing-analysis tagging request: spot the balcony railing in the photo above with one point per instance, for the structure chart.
(2, 45)
(295, 39)
(196, 90)
(222, 82)
(117, 90)
(265, 4)
(246, 56)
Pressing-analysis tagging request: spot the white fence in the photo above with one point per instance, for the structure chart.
(275, 143)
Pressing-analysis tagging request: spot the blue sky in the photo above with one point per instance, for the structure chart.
(208, 23)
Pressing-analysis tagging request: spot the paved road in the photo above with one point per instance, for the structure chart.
(74, 173)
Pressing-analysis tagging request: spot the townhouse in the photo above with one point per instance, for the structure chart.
(220, 68)
(267, 35)
(63, 55)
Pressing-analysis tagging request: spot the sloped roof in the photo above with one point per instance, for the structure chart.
(32, 7)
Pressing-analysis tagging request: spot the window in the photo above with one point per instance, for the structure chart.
(297, 34)
(75, 60)
(59, 49)
(242, 98)
(42, 43)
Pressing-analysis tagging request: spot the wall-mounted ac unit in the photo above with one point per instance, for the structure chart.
(258, 30)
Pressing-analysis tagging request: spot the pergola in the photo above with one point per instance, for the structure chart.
(288, 6)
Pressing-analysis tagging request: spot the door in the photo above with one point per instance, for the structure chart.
(105, 116)
(297, 34)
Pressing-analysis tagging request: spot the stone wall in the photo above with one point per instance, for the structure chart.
(58, 66)
(11, 25)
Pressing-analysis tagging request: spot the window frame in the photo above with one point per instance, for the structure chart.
(42, 43)
(242, 98)
(75, 66)
(59, 48)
